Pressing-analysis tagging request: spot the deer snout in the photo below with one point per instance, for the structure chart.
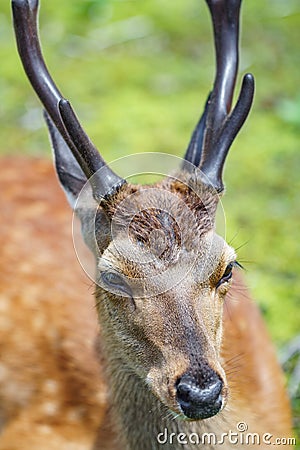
(199, 402)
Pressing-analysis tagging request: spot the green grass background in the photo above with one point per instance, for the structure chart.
(138, 73)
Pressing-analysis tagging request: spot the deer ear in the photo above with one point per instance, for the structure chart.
(78, 192)
(69, 172)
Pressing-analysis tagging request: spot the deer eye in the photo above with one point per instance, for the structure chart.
(227, 275)
(115, 283)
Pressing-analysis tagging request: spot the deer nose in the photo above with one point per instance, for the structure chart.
(199, 402)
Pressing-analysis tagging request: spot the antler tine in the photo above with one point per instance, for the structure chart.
(25, 14)
(213, 158)
(217, 128)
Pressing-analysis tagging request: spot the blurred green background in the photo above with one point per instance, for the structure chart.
(138, 73)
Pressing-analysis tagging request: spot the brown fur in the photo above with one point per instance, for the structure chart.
(58, 392)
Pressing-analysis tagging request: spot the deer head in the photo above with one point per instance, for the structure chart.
(162, 272)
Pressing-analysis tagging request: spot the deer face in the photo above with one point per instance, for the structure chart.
(161, 286)
(162, 272)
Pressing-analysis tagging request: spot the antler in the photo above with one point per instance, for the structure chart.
(25, 23)
(217, 127)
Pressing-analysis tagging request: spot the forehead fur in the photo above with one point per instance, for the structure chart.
(164, 213)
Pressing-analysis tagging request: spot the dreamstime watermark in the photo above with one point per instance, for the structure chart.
(241, 436)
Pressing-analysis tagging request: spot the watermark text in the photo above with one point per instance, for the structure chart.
(240, 436)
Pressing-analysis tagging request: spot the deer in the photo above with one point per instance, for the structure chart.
(170, 351)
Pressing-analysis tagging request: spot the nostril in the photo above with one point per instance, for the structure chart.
(199, 402)
(184, 392)
(211, 393)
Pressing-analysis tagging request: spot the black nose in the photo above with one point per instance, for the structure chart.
(199, 402)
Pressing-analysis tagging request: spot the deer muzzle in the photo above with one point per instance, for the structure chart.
(200, 401)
